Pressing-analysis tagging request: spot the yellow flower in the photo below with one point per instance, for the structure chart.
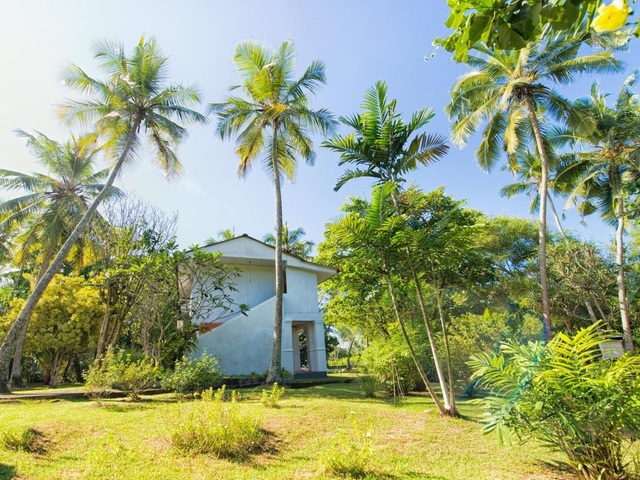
(612, 16)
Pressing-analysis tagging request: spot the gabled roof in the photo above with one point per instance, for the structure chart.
(246, 250)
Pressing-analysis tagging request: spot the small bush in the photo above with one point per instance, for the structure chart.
(122, 371)
(132, 375)
(368, 384)
(97, 380)
(565, 396)
(193, 375)
(212, 426)
(350, 454)
(19, 440)
(392, 366)
(271, 397)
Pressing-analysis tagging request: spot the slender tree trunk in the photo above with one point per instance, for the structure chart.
(447, 353)
(15, 379)
(8, 345)
(275, 367)
(557, 218)
(412, 352)
(432, 343)
(542, 230)
(622, 289)
(353, 340)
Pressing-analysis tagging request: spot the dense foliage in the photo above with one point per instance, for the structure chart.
(564, 395)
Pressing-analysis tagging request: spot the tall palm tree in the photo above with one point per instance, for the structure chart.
(381, 145)
(133, 104)
(272, 120)
(54, 204)
(607, 172)
(292, 241)
(510, 94)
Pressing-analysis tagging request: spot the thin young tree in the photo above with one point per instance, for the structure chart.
(134, 103)
(509, 96)
(272, 120)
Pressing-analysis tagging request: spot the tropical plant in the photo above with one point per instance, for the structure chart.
(512, 24)
(273, 120)
(382, 146)
(132, 104)
(604, 175)
(509, 92)
(292, 242)
(54, 203)
(564, 395)
(224, 234)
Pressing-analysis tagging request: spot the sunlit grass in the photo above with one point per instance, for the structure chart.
(125, 440)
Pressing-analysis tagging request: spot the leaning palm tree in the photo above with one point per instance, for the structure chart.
(133, 104)
(510, 94)
(382, 146)
(272, 120)
(606, 172)
(54, 203)
(292, 241)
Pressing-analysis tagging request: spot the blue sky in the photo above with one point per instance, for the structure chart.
(360, 41)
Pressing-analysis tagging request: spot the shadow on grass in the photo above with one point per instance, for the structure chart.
(7, 472)
(562, 469)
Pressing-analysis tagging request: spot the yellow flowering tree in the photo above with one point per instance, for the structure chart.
(65, 323)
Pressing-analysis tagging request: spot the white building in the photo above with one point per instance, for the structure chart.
(243, 342)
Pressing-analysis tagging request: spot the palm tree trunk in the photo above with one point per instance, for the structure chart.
(622, 290)
(275, 367)
(15, 379)
(412, 352)
(542, 230)
(9, 343)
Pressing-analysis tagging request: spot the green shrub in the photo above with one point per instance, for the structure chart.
(368, 384)
(193, 375)
(563, 395)
(350, 453)
(96, 378)
(123, 371)
(132, 375)
(214, 427)
(391, 364)
(19, 440)
(271, 397)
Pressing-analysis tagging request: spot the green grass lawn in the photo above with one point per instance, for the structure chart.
(123, 440)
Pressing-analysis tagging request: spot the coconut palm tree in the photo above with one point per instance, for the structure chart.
(134, 103)
(292, 242)
(54, 203)
(606, 173)
(510, 93)
(272, 120)
(382, 146)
